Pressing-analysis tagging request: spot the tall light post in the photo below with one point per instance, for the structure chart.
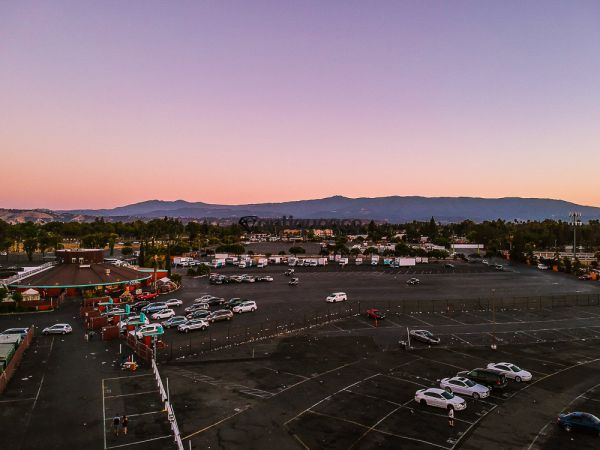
(576, 222)
(493, 320)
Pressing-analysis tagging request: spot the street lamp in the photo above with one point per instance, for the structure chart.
(576, 222)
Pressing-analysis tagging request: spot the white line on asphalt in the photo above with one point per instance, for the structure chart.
(540, 433)
(18, 400)
(421, 320)
(141, 414)
(394, 323)
(129, 395)
(461, 339)
(420, 410)
(141, 442)
(591, 399)
(450, 318)
(215, 424)
(404, 379)
(331, 395)
(373, 426)
(316, 376)
(466, 432)
(335, 326)
(130, 376)
(103, 415)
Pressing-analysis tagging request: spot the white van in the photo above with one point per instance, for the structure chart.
(337, 297)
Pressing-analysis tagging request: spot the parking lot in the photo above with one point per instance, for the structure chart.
(348, 383)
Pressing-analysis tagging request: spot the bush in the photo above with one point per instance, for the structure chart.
(176, 278)
(191, 272)
(17, 296)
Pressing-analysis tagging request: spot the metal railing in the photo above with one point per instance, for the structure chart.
(20, 276)
(168, 407)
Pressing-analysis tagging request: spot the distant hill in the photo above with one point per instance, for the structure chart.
(393, 209)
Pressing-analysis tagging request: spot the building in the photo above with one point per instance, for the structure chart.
(75, 271)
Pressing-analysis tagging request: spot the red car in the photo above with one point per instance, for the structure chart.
(375, 314)
(147, 296)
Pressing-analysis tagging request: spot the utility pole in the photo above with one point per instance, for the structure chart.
(576, 222)
(493, 319)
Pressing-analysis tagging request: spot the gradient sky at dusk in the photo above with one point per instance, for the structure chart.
(107, 103)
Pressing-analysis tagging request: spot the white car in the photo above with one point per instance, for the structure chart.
(542, 266)
(203, 298)
(163, 314)
(462, 385)
(174, 302)
(245, 307)
(135, 320)
(511, 371)
(59, 328)
(337, 297)
(440, 399)
(149, 330)
(193, 324)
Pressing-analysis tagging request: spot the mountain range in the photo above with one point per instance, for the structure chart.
(395, 209)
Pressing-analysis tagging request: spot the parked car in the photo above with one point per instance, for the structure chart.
(245, 306)
(289, 272)
(485, 262)
(449, 266)
(174, 302)
(490, 378)
(337, 297)
(221, 314)
(203, 298)
(498, 267)
(134, 319)
(154, 307)
(267, 278)
(20, 331)
(149, 330)
(214, 301)
(440, 399)
(542, 266)
(248, 279)
(194, 324)
(233, 302)
(464, 386)
(174, 321)
(294, 281)
(147, 296)
(59, 328)
(163, 314)
(137, 306)
(585, 276)
(375, 314)
(424, 336)
(198, 314)
(511, 371)
(197, 307)
(413, 281)
(579, 421)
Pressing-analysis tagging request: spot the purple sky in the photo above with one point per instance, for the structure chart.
(107, 103)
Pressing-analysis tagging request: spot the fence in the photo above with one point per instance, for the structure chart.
(229, 335)
(15, 361)
(139, 348)
(168, 407)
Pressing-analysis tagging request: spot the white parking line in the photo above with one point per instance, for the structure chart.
(130, 376)
(103, 415)
(162, 411)
(140, 442)
(394, 323)
(404, 379)
(450, 318)
(421, 320)
(133, 393)
(461, 339)
(215, 424)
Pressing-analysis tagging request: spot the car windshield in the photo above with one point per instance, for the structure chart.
(427, 333)
(470, 383)
(447, 395)
(515, 368)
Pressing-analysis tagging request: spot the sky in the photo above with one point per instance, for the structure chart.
(107, 103)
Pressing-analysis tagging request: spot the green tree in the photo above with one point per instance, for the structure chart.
(297, 250)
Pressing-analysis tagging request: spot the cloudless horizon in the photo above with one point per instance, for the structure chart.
(110, 103)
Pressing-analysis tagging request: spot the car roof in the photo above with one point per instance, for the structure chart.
(436, 390)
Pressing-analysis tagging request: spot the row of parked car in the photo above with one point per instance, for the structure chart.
(476, 383)
(227, 279)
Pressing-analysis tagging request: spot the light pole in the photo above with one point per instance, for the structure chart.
(493, 320)
(576, 222)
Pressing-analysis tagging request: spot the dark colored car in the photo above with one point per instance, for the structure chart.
(198, 314)
(375, 314)
(234, 302)
(449, 266)
(579, 421)
(221, 314)
(213, 301)
(487, 377)
(139, 305)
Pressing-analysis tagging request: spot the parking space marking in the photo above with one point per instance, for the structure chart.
(445, 416)
(103, 415)
(380, 431)
(531, 336)
(223, 384)
(446, 364)
(284, 372)
(374, 397)
(461, 339)
(421, 320)
(450, 318)
(394, 323)
(202, 430)
(466, 432)
(140, 442)
(405, 380)
(374, 426)
(131, 394)
(18, 400)
(141, 414)
(330, 396)
(130, 376)
(316, 376)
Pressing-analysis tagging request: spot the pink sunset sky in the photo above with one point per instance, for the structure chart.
(108, 103)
